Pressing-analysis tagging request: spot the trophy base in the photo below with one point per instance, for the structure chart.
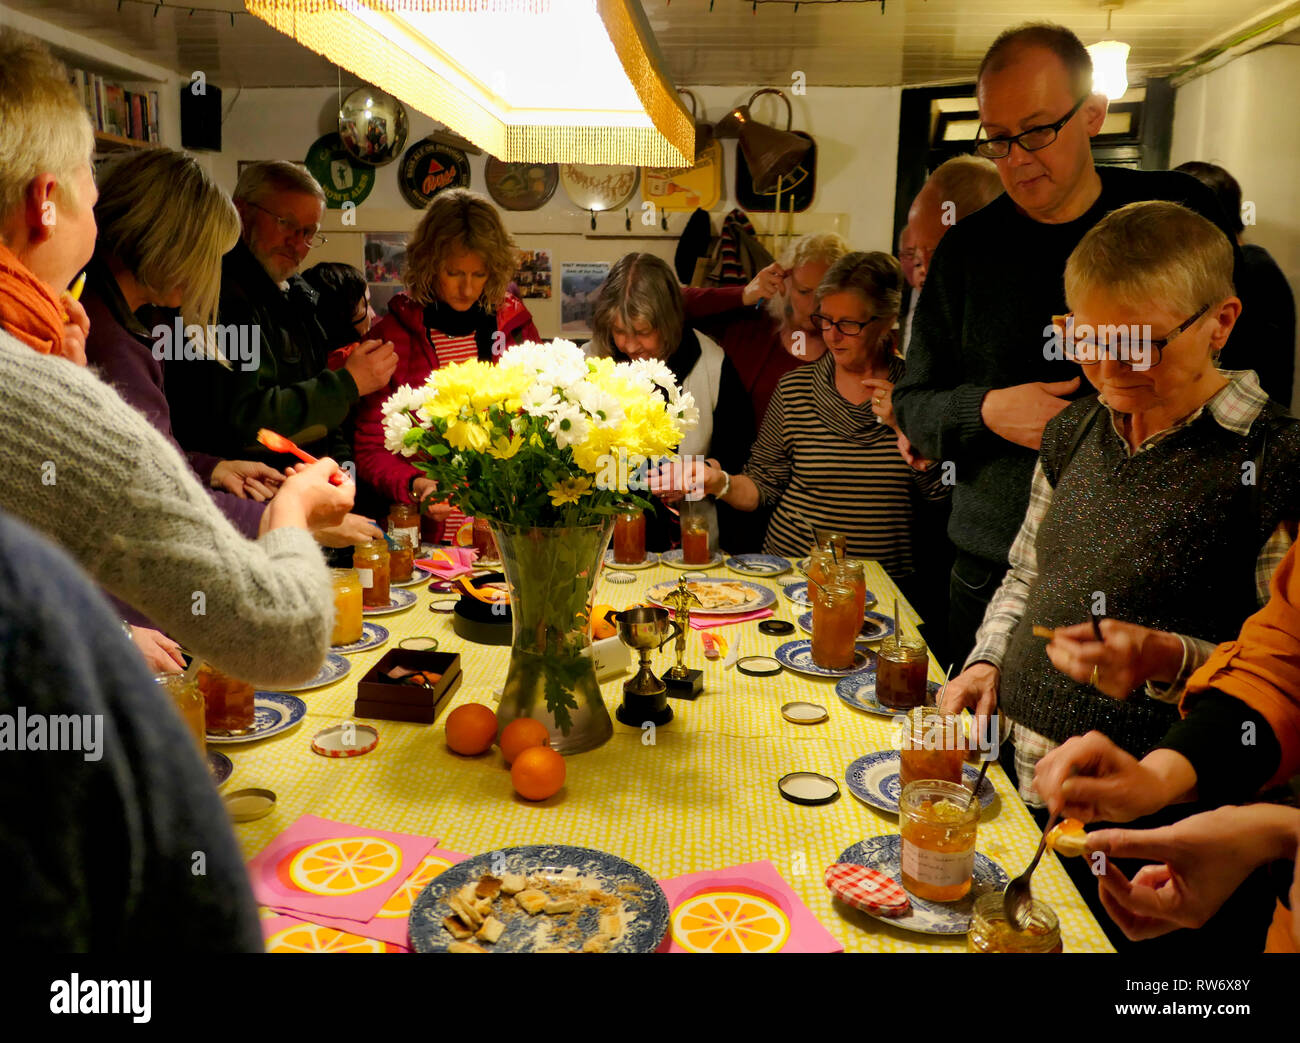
(687, 687)
(636, 710)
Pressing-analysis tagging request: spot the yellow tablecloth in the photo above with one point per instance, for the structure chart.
(704, 796)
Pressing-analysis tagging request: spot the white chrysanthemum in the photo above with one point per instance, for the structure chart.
(540, 400)
(603, 408)
(404, 398)
(395, 428)
(568, 425)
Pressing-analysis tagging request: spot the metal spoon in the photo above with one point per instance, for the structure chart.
(1017, 900)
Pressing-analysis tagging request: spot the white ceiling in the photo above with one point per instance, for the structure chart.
(846, 43)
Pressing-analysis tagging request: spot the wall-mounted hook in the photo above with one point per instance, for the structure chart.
(593, 220)
(627, 223)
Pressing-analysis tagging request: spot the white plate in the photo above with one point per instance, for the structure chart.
(673, 559)
(273, 713)
(650, 560)
(398, 600)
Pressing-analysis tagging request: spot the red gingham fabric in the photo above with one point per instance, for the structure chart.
(867, 889)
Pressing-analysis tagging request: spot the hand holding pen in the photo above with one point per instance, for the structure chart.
(76, 325)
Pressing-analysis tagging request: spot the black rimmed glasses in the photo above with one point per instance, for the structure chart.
(310, 236)
(847, 327)
(1030, 140)
(1128, 344)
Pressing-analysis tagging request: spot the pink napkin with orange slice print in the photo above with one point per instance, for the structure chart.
(321, 868)
(449, 562)
(389, 924)
(744, 909)
(707, 622)
(289, 934)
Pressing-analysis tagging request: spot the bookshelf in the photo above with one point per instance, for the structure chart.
(106, 143)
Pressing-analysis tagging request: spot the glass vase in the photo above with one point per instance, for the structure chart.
(551, 573)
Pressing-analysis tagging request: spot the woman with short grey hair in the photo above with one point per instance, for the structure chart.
(827, 454)
(638, 315)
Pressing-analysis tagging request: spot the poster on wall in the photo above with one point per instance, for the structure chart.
(533, 276)
(385, 256)
(579, 284)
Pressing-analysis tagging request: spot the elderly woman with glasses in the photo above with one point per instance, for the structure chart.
(1160, 507)
(827, 454)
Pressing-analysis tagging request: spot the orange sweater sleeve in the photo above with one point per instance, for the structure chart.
(1262, 666)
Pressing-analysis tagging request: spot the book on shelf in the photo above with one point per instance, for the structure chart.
(153, 117)
(114, 110)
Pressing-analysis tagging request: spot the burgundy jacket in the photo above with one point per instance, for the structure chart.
(387, 473)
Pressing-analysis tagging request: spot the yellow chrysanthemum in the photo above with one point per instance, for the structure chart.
(504, 448)
(467, 434)
(569, 490)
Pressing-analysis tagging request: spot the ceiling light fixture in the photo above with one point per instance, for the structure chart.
(534, 81)
(1110, 60)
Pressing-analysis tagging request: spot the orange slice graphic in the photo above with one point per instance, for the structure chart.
(400, 904)
(310, 937)
(726, 921)
(344, 866)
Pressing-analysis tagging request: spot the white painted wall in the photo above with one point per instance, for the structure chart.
(856, 130)
(1242, 117)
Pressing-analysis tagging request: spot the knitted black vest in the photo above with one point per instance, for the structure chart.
(1169, 537)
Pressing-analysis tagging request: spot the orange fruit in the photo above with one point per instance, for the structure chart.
(538, 773)
(400, 904)
(344, 866)
(465, 534)
(471, 728)
(310, 937)
(520, 734)
(600, 626)
(727, 921)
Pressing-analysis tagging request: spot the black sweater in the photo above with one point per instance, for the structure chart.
(996, 281)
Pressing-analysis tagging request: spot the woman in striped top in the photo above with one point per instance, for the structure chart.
(827, 453)
(459, 260)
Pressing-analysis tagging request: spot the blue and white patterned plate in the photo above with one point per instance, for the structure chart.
(874, 626)
(874, 780)
(925, 917)
(398, 599)
(220, 766)
(760, 596)
(418, 576)
(859, 691)
(650, 560)
(797, 656)
(273, 713)
(372, 636)
(798, 593)
(759, 564)
(333, 669)
(673, 559)
(644, 900)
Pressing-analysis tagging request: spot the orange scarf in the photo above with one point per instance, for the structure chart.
(28, 310)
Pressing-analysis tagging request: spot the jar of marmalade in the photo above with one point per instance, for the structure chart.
(404, 519)
(937, 821)
(183, 691)
(991, 931)
(401, 558)
(347, 607)
(371, 561)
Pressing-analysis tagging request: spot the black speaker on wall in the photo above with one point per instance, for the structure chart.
(201, 118)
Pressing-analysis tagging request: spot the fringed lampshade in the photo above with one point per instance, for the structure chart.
(532, 81)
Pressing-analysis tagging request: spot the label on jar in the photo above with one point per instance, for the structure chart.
(367, 578)
(412, 534)
(937, 868)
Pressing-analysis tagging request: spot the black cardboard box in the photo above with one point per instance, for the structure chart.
(383, 699)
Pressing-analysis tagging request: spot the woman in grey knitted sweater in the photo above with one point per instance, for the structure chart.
(89, 471)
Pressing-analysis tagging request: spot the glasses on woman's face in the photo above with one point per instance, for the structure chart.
(310, 236)
(1030, 140)
(1131, 348)
(847, 327)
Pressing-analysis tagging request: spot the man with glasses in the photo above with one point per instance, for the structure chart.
(290, 389)
(981, 380)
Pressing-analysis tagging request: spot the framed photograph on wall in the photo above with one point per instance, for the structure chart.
(579, 283)
(385, 257)
(533, 276)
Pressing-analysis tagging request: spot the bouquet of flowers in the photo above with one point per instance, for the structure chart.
(546, 437)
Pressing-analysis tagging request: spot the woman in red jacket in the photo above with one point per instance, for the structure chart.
(459, 261)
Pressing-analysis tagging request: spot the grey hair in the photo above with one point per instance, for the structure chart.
(639, 287)
(826, 247)
(274, 175)
(876, 277)
(969, 182)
